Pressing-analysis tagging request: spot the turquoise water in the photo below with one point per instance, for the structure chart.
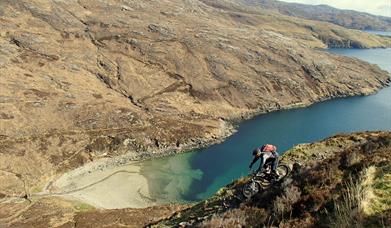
(199, 174)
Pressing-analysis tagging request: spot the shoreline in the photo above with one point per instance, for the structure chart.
(95, 187)
(104, 165)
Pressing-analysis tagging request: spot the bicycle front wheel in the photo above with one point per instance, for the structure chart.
(250, 189)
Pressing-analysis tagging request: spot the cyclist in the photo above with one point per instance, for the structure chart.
(266, 153)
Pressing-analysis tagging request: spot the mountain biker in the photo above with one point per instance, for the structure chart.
(267, 153)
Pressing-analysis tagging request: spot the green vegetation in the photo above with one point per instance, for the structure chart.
(382, 190)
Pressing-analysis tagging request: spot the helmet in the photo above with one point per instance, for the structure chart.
(256, 151)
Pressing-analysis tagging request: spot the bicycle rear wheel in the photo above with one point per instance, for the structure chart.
(282, 171)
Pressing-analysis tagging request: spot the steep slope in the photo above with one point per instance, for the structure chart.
(337, 182)
(346, 18)
(342, 181)
(81, 80)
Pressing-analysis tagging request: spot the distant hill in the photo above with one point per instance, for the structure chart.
(346, 18)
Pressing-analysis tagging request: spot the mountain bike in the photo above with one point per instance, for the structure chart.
(264, 179)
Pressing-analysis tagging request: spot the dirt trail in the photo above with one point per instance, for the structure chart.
(81, 188)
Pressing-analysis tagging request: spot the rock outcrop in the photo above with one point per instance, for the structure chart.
(81, 80)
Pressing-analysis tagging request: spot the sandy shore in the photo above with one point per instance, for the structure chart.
(129, 181)
(109, 188)
(104, 184)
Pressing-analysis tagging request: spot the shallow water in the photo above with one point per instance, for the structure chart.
(199, 174)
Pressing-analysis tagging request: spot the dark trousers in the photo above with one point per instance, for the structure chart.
(273, 162)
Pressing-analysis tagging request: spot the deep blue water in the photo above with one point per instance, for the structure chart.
(199, 174)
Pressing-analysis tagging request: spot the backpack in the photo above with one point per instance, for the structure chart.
(268, 148)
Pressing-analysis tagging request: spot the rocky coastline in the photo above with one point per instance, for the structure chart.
(107, 82)
(229, 128)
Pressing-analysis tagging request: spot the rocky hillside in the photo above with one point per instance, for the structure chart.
(56, 212)
(342, 181)
(346, 18)
(81, 80)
